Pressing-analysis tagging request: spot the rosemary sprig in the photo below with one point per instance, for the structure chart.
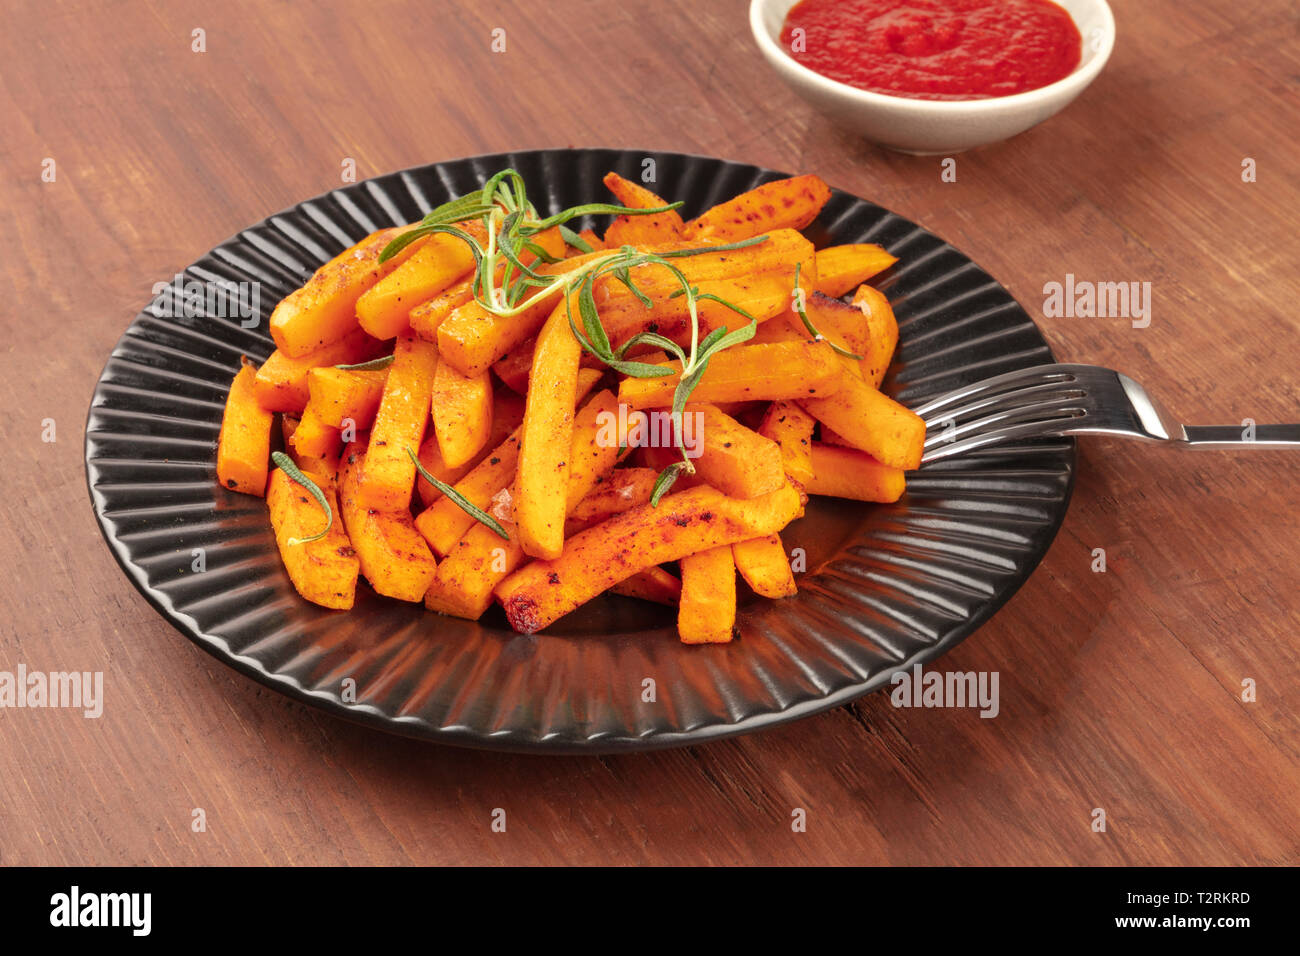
(602, 209)
(511, 222)
(465, 505)
(372, 366)
(593, 338)
(286, 465)
(802, 312)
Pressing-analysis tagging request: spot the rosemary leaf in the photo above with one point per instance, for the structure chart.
(710, 345)
(652, 338)
(624, 275)
(573, 239)
(465, 505)
(541, 254)
(454, 207)
(720, 247)
(591, 318)
(286, 465)
(665, 481)
(640, 369)
(705, 348)
(408, 237)
(371, 366)
(602, 209)
(807, 323)
(700, 296)
(401, 242)
(578, 334)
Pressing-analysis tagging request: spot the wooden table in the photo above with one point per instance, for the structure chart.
(1119, 690)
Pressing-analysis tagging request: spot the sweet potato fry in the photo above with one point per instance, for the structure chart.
(848, 473)
(482, 559)
(657, 459)
(707, 612)
(591, 458)
(777, 255)
(873, 422)
(761, 297)
(507, 414)
(684, 523)
(462, 414)
(431, 460)
(770, 372)
(635, 196)
(394, 556)
(388, 474)
(763, 563)
(384, 309)
(325, 309)
(462, 586)
(443, 523)
(622, 490)
(323, 571)
(830, 436)
(341, 395)
(842, 268)
(322, 469)
(313, 438)
(836, 321)
(882, 333)
(244, 448)
(735, 460)
(471, 338)
(426, 318)
(639, 230)
(652, 584)
(513, 367)
(783, 204)
(545, 437)
(282, 382)
(791, 428)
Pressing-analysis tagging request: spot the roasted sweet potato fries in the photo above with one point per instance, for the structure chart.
(487, 406)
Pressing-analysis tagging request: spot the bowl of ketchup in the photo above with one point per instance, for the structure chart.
(936, 76)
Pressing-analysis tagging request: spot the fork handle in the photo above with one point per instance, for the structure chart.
(1234, 436)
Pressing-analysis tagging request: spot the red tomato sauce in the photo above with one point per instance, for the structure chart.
(935, 49)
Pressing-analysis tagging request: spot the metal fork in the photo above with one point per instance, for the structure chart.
(1055, 400)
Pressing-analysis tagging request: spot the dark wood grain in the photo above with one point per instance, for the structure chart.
(1118, 690)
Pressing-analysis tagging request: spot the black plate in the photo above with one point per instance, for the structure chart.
(885, 587)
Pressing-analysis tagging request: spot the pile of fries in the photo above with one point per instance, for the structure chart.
(491, 407)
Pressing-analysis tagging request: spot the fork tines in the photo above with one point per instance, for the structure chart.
(1024, 404)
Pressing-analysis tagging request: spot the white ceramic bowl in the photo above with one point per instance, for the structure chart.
(936, 127)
